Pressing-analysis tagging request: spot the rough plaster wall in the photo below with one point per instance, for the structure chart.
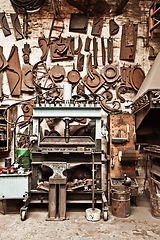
(135, 10)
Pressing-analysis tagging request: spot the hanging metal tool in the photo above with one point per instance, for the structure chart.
(61, 48)
(27, 77)
(3, 62)
(103, 51)
(78, 49)
(95, 50)
(4, 24)
(78, 22)
(107, 104)
(26, 32)
(17, 27)
(97, 27)
(110, 50)
(42, 42)
(87, 44)
(113, 27)
(13, 72)
(121, 90)
(93, 80)
(110, 74)
(125, 74)
(80, 62)
(26, 52)
(128, 41)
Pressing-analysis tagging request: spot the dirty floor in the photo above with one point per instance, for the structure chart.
(140, 225)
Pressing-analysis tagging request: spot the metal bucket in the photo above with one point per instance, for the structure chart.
(93, 215)
(155, 206)
(121, 201)
(26, 156)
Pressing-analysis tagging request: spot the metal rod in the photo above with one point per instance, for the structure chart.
(155, 26)
(154, 13)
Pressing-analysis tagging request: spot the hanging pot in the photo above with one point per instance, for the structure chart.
(58, 73)
(73, 75)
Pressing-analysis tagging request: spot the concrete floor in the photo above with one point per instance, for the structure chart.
(140, 225)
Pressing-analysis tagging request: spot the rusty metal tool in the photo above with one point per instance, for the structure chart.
(26, 21)
(106, 103)
(93, 80)
(78, 22)
(3, 62)
(125, 74)
(110, 74)
(42, 42)
(121, 90)
(128, 41)
(103, 51)
(61, 49)
(97, 27)
(78, 49)
(113, 27)
(27, 77)
(87, 44)
(4, 24)
(95, 49)
(137, 76)
(110, 50)
(26, 52)
(80, 62)
(13, 72)
(17, 27)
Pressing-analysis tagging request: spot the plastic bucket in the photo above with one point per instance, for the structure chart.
(23, 157)
(155, 206)
(120, 197)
